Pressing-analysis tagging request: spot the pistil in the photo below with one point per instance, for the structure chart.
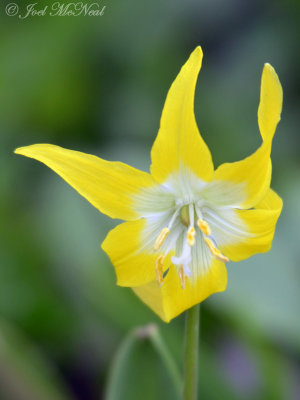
(185, 215)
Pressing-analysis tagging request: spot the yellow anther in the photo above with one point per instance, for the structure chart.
(191, 236)
(204, 227)
(215, 251)
(182, 276)
(159, 269)
(161, 238)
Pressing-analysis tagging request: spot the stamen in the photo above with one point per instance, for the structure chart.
(204, 227)
(161, 238)
(182, 276)
(159, 269)
(191, 233)
(215, 251)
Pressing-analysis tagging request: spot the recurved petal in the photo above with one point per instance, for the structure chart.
(178, 141)
(270, 105)
(131, 253)
(170, 299)
(110, 186)
(247, 232)
(253, 174)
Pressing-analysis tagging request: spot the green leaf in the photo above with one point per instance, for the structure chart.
(143, 368)
(24, 374)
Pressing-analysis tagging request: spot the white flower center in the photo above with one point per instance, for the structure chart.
(187, 220)
(184, 231)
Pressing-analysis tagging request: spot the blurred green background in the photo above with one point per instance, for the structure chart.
(98, 84)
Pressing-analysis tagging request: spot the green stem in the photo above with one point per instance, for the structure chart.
(191, 349)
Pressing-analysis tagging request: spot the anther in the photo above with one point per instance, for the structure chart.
(161, 238)
(215, 251)
(204, 227)
(159, 269)
(182, 276)
(191, 233)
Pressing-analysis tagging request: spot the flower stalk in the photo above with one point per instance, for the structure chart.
(191, 352)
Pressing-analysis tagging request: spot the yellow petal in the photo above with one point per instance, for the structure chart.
(131, 255)
(270, 105)
(170, 299)
(253, 174)
(260, 224)
(109, 186)
(178, 141)
(271, 201)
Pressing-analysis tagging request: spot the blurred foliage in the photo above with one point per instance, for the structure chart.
(98, 85)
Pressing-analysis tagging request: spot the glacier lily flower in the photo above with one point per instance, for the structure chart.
(184, 220)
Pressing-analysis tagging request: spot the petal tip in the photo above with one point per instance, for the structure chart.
(268, 68)
(270, 106)
(26, 150)
(19, 150)
(198, 50)
(268, 65)
(198, 53)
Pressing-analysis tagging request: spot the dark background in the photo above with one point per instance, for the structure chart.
(98, 84)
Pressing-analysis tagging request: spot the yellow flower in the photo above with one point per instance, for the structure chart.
(184, 220)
